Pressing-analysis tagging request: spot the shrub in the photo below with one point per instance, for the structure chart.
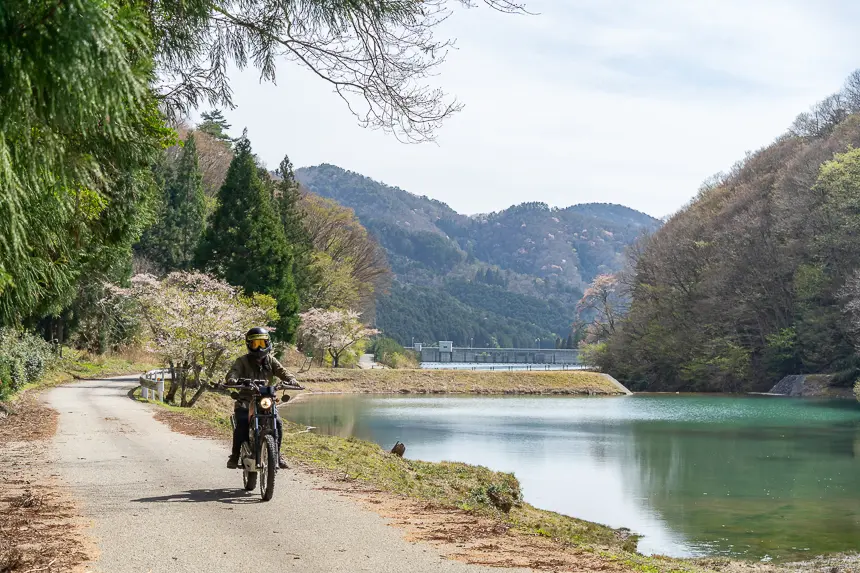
(397, 360)
(24, 357)
(389, 352)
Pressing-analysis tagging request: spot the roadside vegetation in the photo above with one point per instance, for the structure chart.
(27, 363)
(390, 353)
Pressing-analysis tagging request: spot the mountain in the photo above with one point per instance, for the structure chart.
(504, 278)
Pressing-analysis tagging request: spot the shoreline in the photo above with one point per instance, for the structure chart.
(493, 523)
(418, 381)
(430, 499)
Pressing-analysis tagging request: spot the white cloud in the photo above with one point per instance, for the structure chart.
(618, 101)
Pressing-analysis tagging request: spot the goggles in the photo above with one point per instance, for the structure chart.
(258, 343)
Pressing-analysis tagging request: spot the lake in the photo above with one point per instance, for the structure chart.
(749, 477)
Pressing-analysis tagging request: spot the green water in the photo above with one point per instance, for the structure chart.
(751, 477)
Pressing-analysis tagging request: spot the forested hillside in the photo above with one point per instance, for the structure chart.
(523, 269)
(757, 277)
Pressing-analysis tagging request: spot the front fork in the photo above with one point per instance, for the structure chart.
(254, 431)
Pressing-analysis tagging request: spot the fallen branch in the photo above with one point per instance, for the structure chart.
(48, 566)
(305, 431)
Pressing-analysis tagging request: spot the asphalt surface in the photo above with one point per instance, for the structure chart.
(161, 501)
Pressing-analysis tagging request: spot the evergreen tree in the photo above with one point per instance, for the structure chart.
(215, 125)
(74, 187)
(188, 204)
(172, 241)
(287, 197)
(246, 244)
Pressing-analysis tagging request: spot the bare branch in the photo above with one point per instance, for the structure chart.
(376, 54)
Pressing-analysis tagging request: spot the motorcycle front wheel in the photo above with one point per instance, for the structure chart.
(249, 479)
(269, 463)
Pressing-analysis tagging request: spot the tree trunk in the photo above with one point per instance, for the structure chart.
(183, 400)
(200, 388)
(174, 372)
(197, 394)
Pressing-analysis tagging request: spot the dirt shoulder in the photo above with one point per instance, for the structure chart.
(390, 381)
(39, 523)
(40, 528)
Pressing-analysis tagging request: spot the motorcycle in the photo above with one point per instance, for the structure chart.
(258, 457)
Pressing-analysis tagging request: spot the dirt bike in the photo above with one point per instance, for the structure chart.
(258, 455)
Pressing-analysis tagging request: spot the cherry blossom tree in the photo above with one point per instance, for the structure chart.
(604, 304)
(333, 331)
(196, 324)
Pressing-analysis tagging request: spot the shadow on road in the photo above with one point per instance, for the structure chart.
(232, 496)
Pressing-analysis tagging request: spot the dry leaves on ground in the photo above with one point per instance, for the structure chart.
(39, 529)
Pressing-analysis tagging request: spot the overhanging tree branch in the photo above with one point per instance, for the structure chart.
(376, 54)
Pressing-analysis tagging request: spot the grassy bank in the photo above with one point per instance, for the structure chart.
(76, 364)
(392, 381)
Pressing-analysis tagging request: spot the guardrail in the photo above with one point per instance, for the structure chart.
(152, 384)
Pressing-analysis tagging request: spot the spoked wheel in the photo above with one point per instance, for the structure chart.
(249, 479)
(268, 467)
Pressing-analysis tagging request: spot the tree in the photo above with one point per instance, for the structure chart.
(245, 243)
(74, 185)
(374, 53)
(196, 324)
(287, 196)
(333, 331)
(602, 299)
(172, 241)
(215, 125)
(335, 231)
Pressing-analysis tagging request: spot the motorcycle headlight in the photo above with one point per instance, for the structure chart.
(266, 403)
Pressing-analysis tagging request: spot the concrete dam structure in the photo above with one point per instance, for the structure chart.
(446, 352)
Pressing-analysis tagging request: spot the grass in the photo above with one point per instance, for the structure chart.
(457, 382)
(77, 364)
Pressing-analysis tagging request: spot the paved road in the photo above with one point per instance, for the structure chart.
(365, 362)
(161, 501)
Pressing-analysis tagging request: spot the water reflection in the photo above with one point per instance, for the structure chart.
(695, 475)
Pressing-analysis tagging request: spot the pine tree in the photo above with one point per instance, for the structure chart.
(246, 244)
(287, 197)
(188, 206)
(215, 125)
(172, 241)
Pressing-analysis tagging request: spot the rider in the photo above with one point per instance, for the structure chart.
(258, 364)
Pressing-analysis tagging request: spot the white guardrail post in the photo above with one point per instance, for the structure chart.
(152, 384)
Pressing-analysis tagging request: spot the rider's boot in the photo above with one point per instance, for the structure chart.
(233, 462)
(282, 463)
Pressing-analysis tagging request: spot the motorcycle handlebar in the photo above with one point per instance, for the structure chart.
(255, 383)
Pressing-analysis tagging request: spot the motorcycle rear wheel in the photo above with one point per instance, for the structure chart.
(269, 463)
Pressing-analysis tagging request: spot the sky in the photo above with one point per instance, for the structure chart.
(615, 101)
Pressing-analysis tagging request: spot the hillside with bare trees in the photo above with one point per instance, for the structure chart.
(757, 277)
